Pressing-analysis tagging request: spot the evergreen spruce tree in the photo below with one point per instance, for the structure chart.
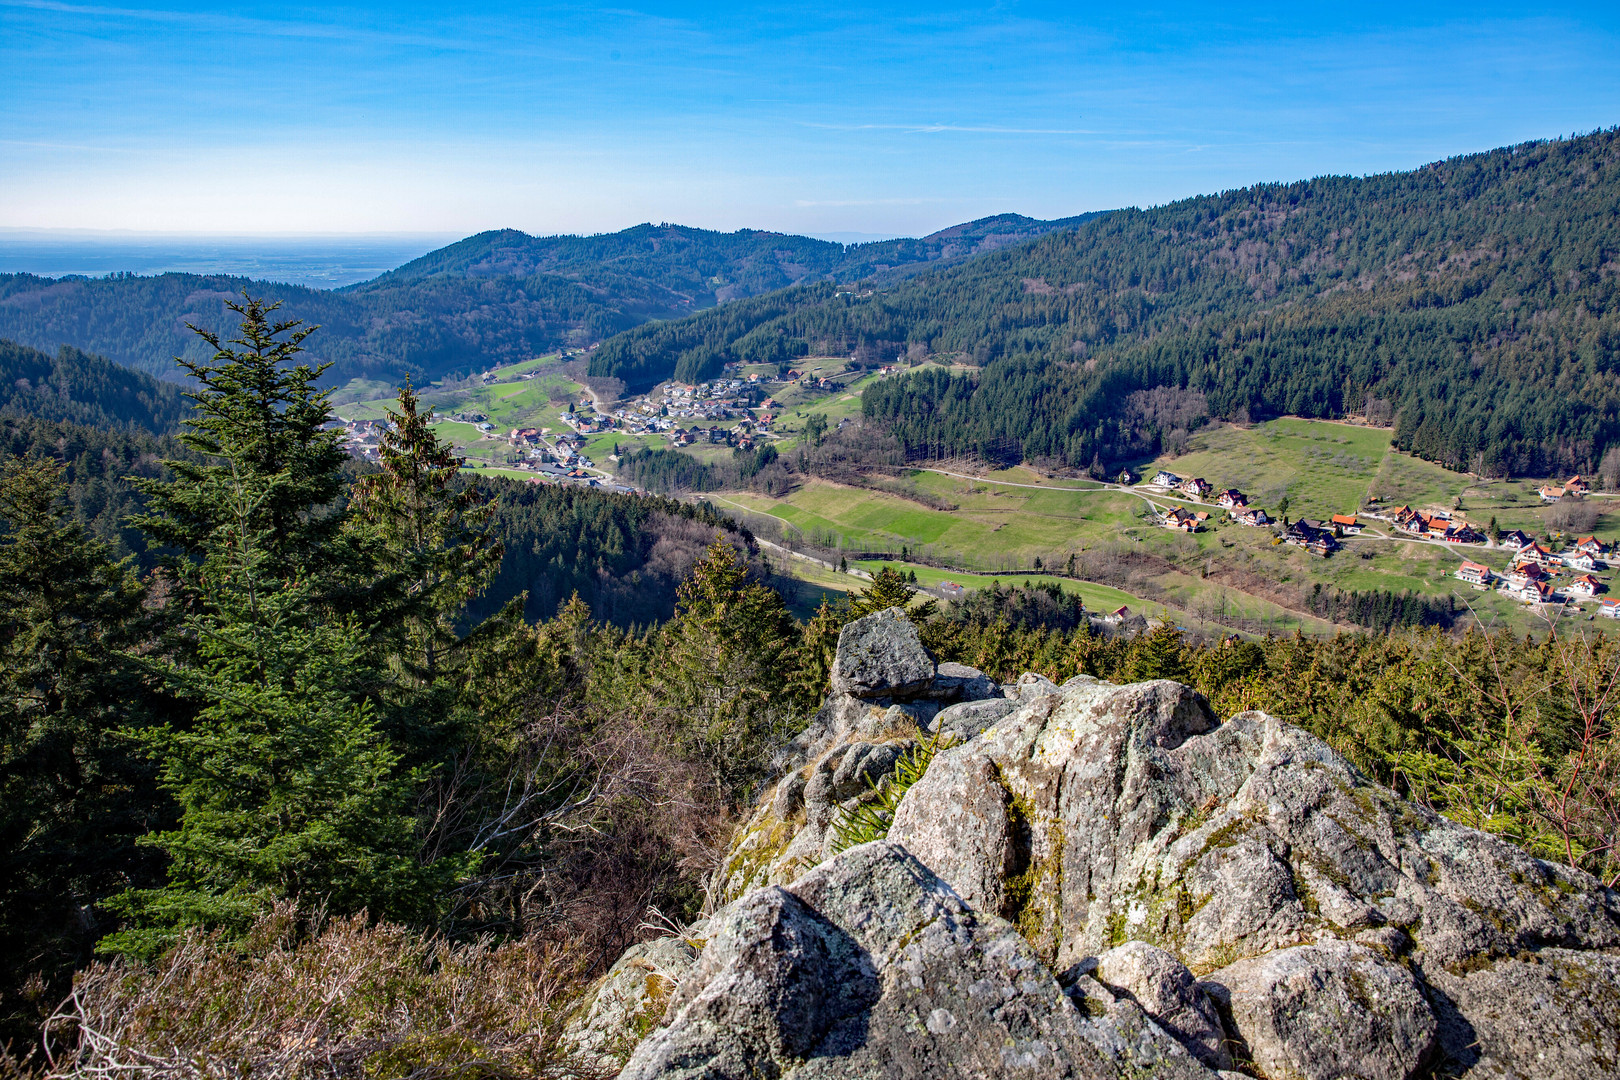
(285, 779)
(433, 534)
(1161, 654)
(261, 421)
(722, 683)
(890, 589)
(818, 647)
(73, 798)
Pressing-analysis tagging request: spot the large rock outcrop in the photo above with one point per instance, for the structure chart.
(887, 696)
(1252, 853)
(1106, 880)
(869, 966)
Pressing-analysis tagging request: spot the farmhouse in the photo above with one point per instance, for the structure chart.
(1532, 592)
(1310, 535)
(1185, 520)
(1347, 524)
(1410, 520)
(1460, 533)
(1537, 553)
(1474, 573)
(1551, 494)
(1525, 572)
(1575, 485)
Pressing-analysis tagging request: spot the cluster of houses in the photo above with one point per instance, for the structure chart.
(701, 401)
(1573, 488)
(1318, 537)
(560, 456)
(664, 410)
(1435, 525)
(361, 438)
(1535, 572)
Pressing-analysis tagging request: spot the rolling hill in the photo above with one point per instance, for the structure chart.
(1473, 303)
(78, 388)
(492, 298)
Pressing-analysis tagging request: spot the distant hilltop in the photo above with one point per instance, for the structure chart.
(493, 298)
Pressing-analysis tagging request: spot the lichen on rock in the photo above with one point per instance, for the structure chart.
(1144, 890)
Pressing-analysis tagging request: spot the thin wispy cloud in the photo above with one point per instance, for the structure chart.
(167, 114)
(74, 147)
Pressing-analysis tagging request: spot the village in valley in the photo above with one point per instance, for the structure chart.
(571, 434)
(545, 422)
(1535, 574)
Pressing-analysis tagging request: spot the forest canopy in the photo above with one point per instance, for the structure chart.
(494, 298)
(1472, 303)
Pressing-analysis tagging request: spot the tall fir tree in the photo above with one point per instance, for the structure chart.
(434, 534)
(723, 670)
(287, 778)
(260, 425)
(889, 589)
(73, 795)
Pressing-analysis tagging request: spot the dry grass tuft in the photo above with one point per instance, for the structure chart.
(344, 1000)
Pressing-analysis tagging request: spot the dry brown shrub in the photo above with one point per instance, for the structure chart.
(346, 1000)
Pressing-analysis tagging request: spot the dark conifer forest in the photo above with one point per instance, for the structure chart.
(1473, 303)
(75, 387)
(493, 298)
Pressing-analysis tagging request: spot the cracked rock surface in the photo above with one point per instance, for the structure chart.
(869, 966)
(1108, 881)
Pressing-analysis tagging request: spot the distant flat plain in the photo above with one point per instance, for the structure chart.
(318, 262)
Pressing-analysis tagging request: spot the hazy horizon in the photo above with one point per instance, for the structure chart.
(892, 121)
(315, 260)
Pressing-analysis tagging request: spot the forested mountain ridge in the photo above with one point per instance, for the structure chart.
(699, 263)
(888, 261)
(492, 298)
(77, 387)
(1472, 300)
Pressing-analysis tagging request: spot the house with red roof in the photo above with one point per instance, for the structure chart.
(1586, 586)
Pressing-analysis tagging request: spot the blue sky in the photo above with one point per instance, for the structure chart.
(819, 118)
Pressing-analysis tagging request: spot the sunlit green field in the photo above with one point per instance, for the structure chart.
(1003, 522)
(1002, 525)
(1321, 468)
